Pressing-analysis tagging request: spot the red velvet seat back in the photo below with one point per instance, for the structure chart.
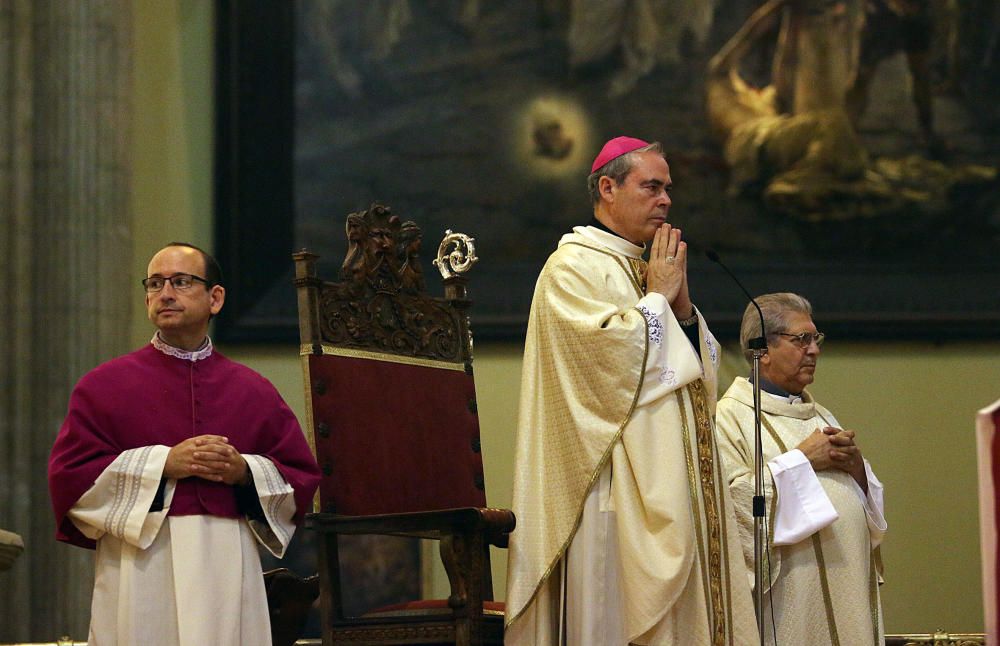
(395, 437)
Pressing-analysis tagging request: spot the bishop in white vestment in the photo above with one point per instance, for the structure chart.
(625, 529)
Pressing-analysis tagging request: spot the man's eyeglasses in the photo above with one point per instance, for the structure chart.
(180, 282)
(805, 339)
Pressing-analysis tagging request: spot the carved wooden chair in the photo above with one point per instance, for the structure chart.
(390, 391)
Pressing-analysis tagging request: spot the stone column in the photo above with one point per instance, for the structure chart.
(65, 293)
(11, 546)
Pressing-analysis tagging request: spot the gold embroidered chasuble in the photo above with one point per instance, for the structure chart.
(605, 382)
(824, 588)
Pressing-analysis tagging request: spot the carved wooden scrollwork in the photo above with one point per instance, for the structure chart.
(381, 303)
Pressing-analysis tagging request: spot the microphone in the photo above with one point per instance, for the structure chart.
(757, 343)
(758, 347)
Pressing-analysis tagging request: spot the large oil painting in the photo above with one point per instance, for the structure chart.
(843, 149)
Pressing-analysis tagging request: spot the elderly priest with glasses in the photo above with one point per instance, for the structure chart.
(174, 463)
(822, 500)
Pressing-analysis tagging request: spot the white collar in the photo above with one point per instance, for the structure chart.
(611, 241)
(203, 352)
(785, 399)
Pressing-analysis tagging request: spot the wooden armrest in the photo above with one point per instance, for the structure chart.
(495, 523)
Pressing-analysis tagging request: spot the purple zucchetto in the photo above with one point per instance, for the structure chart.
(616, 148)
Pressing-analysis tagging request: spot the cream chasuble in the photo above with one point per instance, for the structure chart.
(615, 416)
(824, 528)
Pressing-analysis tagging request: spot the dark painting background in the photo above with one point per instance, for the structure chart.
(430, 107)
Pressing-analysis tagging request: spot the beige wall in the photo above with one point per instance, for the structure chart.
(913, 408)
(172, 142)
(912, 404)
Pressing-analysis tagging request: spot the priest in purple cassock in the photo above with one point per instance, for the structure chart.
(174, 463)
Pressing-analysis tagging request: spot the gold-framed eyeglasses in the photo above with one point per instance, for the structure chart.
(805, 339)
(180, 282)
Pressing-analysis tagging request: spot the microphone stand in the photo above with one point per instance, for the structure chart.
(758, 348)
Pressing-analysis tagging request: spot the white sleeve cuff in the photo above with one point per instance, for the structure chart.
(277, 499)
(653, 302)
(118, 503)
(803, 508)
(874, 504)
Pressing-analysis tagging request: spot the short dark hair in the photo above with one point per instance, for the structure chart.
(617, 169)
(213, 272)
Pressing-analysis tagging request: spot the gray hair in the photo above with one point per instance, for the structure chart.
(775, 308)
(617, 169)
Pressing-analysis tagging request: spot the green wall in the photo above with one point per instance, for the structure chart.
(912, 404)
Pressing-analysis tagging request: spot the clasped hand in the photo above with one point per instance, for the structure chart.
(210, 457)
(834, 448)
(667, 271)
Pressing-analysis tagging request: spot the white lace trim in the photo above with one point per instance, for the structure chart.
(713, 352)
(204, 352)
(653, 324)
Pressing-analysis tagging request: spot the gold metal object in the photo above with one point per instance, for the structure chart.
(460, 259)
